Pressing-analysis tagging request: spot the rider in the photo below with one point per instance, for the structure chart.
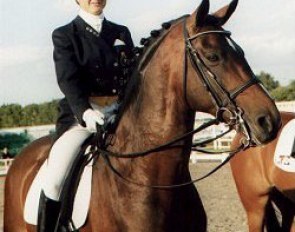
(87, 68)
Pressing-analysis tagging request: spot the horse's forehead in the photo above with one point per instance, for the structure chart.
(213, 40)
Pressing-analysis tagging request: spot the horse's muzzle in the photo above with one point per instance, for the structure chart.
(265, 128)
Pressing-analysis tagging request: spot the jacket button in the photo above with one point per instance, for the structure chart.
(116, 64)
(114, 91)
(96, 66)
(115, 77)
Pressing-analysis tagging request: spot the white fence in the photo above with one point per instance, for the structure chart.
(198, 157)
(4, 166)
(34, 131)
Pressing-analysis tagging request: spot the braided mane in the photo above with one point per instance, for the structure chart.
(142, 56)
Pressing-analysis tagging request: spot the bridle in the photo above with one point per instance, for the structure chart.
(228, 104)
(223, 105)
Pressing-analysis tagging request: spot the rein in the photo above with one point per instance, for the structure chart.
(228, 105)
(96, 151)
(174, 186)
(157, 148)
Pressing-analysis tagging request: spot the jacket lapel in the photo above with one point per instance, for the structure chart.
(104, 40)
(108, 32)
(84, 29)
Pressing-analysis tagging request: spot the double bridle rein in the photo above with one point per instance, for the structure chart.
(227, 105)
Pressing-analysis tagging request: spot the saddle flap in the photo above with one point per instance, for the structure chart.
(81, 203)
(284, 152)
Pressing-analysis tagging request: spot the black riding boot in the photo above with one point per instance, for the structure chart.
(48, 214)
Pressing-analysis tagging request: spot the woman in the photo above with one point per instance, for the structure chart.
(87, 69)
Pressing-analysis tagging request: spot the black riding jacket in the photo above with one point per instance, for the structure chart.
(86, 64)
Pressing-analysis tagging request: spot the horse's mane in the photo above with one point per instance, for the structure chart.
(142, 56)
(144, 53)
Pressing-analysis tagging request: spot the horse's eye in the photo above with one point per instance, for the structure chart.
(212, 57)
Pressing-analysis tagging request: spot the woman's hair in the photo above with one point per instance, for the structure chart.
(77, 2)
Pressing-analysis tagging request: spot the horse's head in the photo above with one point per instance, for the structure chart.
(216, 62)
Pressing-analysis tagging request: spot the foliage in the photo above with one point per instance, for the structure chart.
(14, 115)
(284, 93)
(13, 142)
(278, 92)
(268, 81)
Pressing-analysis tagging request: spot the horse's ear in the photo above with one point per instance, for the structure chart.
(201, 13)
(225, 12)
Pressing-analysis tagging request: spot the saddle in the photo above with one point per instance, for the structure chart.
(76, 192)
(284, 157)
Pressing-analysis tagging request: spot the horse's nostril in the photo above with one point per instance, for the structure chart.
(265, 123)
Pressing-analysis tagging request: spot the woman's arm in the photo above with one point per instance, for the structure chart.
(68, 74)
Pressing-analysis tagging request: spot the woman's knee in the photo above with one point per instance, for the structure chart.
(68, 145)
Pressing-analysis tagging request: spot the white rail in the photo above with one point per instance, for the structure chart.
(198, 157)
(4, 166)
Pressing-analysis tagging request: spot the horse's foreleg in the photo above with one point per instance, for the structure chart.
(253, 188)
(255, 221)
(253, 196)
(255, 216)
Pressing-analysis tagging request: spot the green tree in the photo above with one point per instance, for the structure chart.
(14, 142)
(291, 91)
(268, 81)
(10, 115)
(15, 115)
(284, 93)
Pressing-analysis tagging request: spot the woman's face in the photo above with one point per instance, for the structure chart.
(94, 7)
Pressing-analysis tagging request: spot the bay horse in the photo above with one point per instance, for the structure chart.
(192, 66)
(260, 182)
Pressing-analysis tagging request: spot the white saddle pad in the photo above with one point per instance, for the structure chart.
(284, 148)
(81, 203)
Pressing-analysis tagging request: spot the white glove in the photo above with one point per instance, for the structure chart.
(91, 118)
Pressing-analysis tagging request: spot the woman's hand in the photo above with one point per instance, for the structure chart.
(92, 118)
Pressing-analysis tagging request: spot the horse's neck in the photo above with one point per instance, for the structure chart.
(157, 116)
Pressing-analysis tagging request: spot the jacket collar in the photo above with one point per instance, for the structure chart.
(83, 28)
(93, 20)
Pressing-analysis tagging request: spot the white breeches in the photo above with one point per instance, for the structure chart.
(64, 152)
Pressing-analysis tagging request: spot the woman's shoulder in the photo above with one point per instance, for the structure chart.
(65, 29)
(117, 26)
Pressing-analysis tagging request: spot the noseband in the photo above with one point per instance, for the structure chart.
(227, 104)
